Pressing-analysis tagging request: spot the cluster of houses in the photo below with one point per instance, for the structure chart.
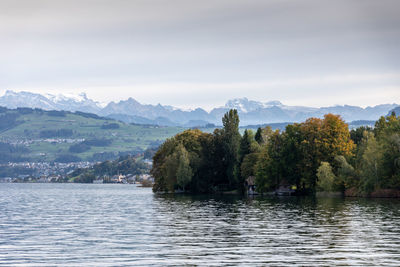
(124, 179)
(42, 171)
(115, 179)
(31, 179)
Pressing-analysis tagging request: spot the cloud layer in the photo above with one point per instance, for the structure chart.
(194, 53)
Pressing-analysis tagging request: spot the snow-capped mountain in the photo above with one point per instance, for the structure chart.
(244, 105)
(67, 102)
(73, 102)
(251, 112)
(254, 112)
(13, 99)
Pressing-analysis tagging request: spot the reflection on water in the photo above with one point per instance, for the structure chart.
(71, 224)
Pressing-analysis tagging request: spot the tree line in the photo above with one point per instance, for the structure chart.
(315, 155)
(123, 165)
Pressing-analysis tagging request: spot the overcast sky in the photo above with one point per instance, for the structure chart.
(201, 53)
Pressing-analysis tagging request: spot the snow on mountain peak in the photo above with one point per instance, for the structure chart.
(69, 102)
(273, 103)
(66, 97)
(9, 93)
(245, 105)
(251, 112)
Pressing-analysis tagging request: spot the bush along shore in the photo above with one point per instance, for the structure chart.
(318, 155)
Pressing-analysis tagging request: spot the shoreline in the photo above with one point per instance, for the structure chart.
(349, 193)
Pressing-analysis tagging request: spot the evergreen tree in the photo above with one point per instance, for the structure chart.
(258, 137)
(263, 134)
(231, 140)
(245, 144)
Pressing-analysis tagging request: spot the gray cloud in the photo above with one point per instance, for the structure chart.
(125, 44)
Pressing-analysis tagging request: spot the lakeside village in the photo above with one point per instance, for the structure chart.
(54, 172)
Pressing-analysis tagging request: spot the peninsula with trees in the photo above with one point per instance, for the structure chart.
(317, 155)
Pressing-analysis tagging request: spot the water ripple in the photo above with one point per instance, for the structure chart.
(109, 225)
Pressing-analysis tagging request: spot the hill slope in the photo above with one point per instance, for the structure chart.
(37, 135)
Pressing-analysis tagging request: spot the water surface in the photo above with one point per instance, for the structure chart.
(109, 225)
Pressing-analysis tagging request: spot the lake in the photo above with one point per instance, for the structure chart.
(103, 225)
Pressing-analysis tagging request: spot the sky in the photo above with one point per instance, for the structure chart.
(202, 53)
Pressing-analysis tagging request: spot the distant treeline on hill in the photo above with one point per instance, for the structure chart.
(315, 155)
(9, 152)
(123, 165)
(52, 113)
(87, 144)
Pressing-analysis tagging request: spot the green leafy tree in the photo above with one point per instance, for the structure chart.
(346, 176)
(311, 151)
(391, 161)
(160, 164)
(264, 179)
(184, 172)
(86, 177)
(178, 154)
(248, 152)
(387, 133)
(262, 135)
(248, 167)
(357, 134)
(371, 159)
(269, 169)
(326, 177)
(170, 171)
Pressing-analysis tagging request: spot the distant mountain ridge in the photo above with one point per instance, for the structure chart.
(251, 112)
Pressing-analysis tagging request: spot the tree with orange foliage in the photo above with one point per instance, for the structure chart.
(315, 141)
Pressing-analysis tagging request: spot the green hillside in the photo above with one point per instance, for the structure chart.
(38, 135)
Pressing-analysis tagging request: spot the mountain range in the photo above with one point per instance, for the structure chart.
(131, 111)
